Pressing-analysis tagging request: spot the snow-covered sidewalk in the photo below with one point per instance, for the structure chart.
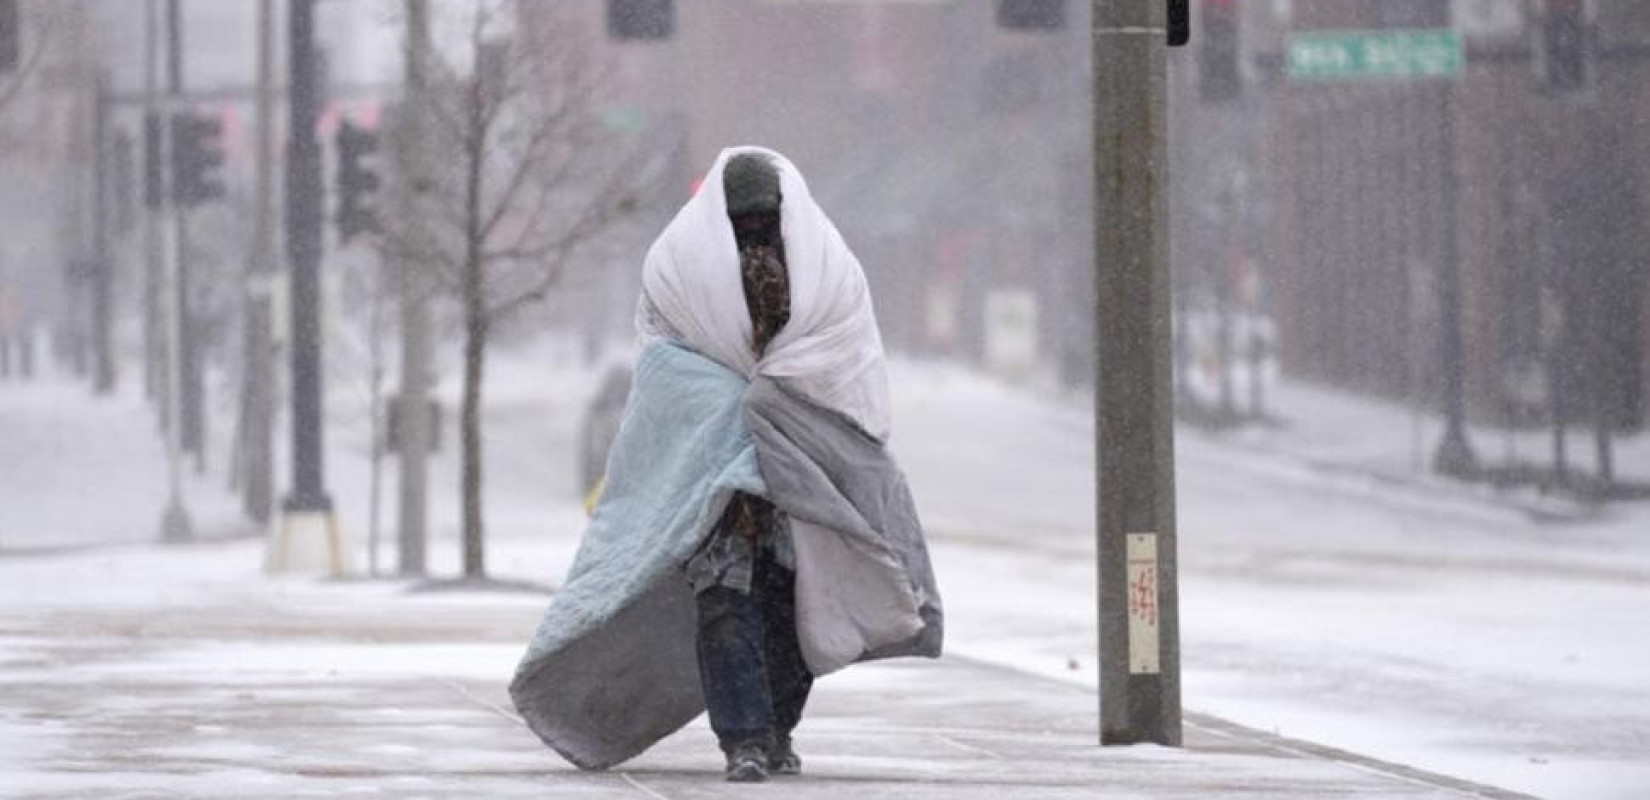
(1389, 443)
(77, 471)
(186, 674)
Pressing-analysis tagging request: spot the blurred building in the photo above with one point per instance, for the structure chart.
(944, 147)
(955, 155)
(1549, 225)
(45, 118)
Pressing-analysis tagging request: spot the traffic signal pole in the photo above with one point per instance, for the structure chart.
(191, 385)
(1138, 598)
(258, 401)
(304, 220)
(154, 257)
(102, 305)
(175, 521)
(308, 535)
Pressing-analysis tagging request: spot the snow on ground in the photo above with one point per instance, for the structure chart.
(1335, 428)
(324, 689)
(1447, 631)
(46, 428)
(1413, 621)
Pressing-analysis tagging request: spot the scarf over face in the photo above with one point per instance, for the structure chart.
(829, 351)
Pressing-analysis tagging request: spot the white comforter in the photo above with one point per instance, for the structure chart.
(830, 351)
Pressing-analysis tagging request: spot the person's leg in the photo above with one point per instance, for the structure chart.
(789, 681)
(731, 668)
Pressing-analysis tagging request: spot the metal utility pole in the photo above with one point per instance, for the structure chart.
(307, 511)
(304, 221)
(154, 378)
(103, 361)
(258, 399)
(1138, 603)
(1454, 456)
(191, 387)
(175, 522)
(413, 434)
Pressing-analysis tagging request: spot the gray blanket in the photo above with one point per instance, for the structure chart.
(612, 668)
(864, 585)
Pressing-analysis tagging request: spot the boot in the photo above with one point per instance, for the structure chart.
(783, 760)
(748, 763)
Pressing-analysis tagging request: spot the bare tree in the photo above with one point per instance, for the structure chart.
(515, 180)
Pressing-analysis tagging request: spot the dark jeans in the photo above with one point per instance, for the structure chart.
(755, 681)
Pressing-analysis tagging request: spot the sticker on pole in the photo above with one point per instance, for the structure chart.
(1143, 604)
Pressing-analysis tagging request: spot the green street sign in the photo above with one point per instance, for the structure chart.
(1363, 55)
(624, 119)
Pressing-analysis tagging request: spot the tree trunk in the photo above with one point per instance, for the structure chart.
(475, 351)
(1606, 459)
(477, 322)
(1599, 386)
(1603, 412)
(375, 394)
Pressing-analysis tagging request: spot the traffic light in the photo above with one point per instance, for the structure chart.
(357, 181)
(1180, 23)
(10, 36)
(641, 19)
(1564, 46)
(122, 187)
(153, 161)
(1031, 15)
(1219, 52)
(197, 153)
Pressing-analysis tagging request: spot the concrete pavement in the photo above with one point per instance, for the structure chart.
(178, 673)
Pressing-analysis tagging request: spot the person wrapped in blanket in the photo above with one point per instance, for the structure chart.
(753, 532)
(755, 680)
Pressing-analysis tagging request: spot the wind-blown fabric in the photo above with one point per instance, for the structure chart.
(612, 668)
(864, 585)
(829, 352)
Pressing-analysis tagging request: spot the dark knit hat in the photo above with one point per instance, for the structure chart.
(751, 184)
